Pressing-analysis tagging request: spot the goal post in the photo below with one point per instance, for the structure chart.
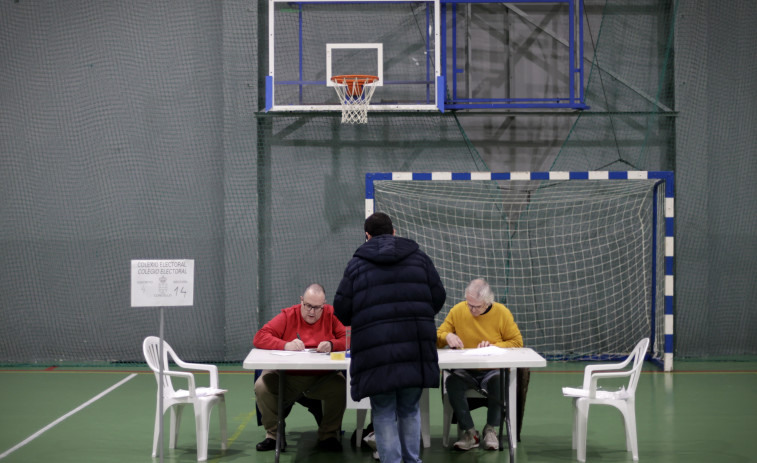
(584, 260)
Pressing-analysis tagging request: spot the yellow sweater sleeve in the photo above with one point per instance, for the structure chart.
(496, 326)
(450, 322)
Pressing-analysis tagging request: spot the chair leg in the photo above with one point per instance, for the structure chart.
(574, 437)
(202, 425)
(446, 420)
(156, 432)
(222, 419)
(582, 422)
(629, 418)
(425, 420)
(173, 438)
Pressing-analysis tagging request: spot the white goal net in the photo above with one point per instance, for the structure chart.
(580, 263)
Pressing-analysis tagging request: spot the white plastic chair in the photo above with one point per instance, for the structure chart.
(201, 398)
(623, 399)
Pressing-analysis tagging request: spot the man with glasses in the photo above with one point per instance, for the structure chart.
(477, 321)
(311, 324)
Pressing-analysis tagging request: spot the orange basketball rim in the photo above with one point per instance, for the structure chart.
(354, 83)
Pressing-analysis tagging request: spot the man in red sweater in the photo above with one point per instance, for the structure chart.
(311, 324)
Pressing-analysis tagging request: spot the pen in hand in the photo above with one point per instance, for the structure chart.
(302, 347)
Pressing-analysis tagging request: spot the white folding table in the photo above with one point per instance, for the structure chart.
(261, 359)
(511, 359)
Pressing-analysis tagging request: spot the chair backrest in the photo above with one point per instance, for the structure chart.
(639, 352)
(151, 350)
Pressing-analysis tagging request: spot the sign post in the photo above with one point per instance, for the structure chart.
(162, 283)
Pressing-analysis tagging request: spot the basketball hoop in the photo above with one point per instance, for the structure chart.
(355, 92)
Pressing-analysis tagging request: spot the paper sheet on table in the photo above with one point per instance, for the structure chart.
(485, 351)
(285, 353)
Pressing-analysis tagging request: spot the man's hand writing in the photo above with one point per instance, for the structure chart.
(294, 344)
(454, 341)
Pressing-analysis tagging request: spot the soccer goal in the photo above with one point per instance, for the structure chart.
(584, 260)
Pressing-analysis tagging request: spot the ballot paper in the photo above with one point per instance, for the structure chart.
(285, 353)
(485, 351)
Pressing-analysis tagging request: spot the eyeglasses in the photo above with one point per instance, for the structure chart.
(476, 307)
(314, 308)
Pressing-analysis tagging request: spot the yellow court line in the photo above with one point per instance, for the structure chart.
(245, 421)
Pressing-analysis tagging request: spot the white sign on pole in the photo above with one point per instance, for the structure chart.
(162, 283)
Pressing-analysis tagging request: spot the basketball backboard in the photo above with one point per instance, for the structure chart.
(397, 40)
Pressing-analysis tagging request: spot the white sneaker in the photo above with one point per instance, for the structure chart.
(468, 441)
(370, 440)
(490, 438)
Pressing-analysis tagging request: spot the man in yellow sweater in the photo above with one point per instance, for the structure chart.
(477, 322)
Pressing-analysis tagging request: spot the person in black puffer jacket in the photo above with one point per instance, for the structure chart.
(389, 295)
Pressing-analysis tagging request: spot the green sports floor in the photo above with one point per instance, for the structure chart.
(702, 412)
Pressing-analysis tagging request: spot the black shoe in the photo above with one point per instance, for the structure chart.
(268, 444)
(331, 444)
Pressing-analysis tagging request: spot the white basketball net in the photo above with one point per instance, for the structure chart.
(354, 98)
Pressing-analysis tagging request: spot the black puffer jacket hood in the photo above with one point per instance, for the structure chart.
(385, 251)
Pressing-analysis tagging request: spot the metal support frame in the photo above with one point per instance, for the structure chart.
(442, 69)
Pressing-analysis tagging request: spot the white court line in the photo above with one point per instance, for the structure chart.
(90, 401)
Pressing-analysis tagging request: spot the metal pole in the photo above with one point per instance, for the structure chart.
(280, 431)
(160, 386)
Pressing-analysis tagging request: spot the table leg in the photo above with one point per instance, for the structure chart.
(280, 428)
(502, 419)
(512, 394)
(512, 411)
(509, 397)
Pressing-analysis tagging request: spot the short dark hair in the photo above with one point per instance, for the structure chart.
(378, 223)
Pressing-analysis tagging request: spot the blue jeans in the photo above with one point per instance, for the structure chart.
(397, 419)
(456, 387)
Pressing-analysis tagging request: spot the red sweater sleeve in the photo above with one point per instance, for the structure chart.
(277, 332)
